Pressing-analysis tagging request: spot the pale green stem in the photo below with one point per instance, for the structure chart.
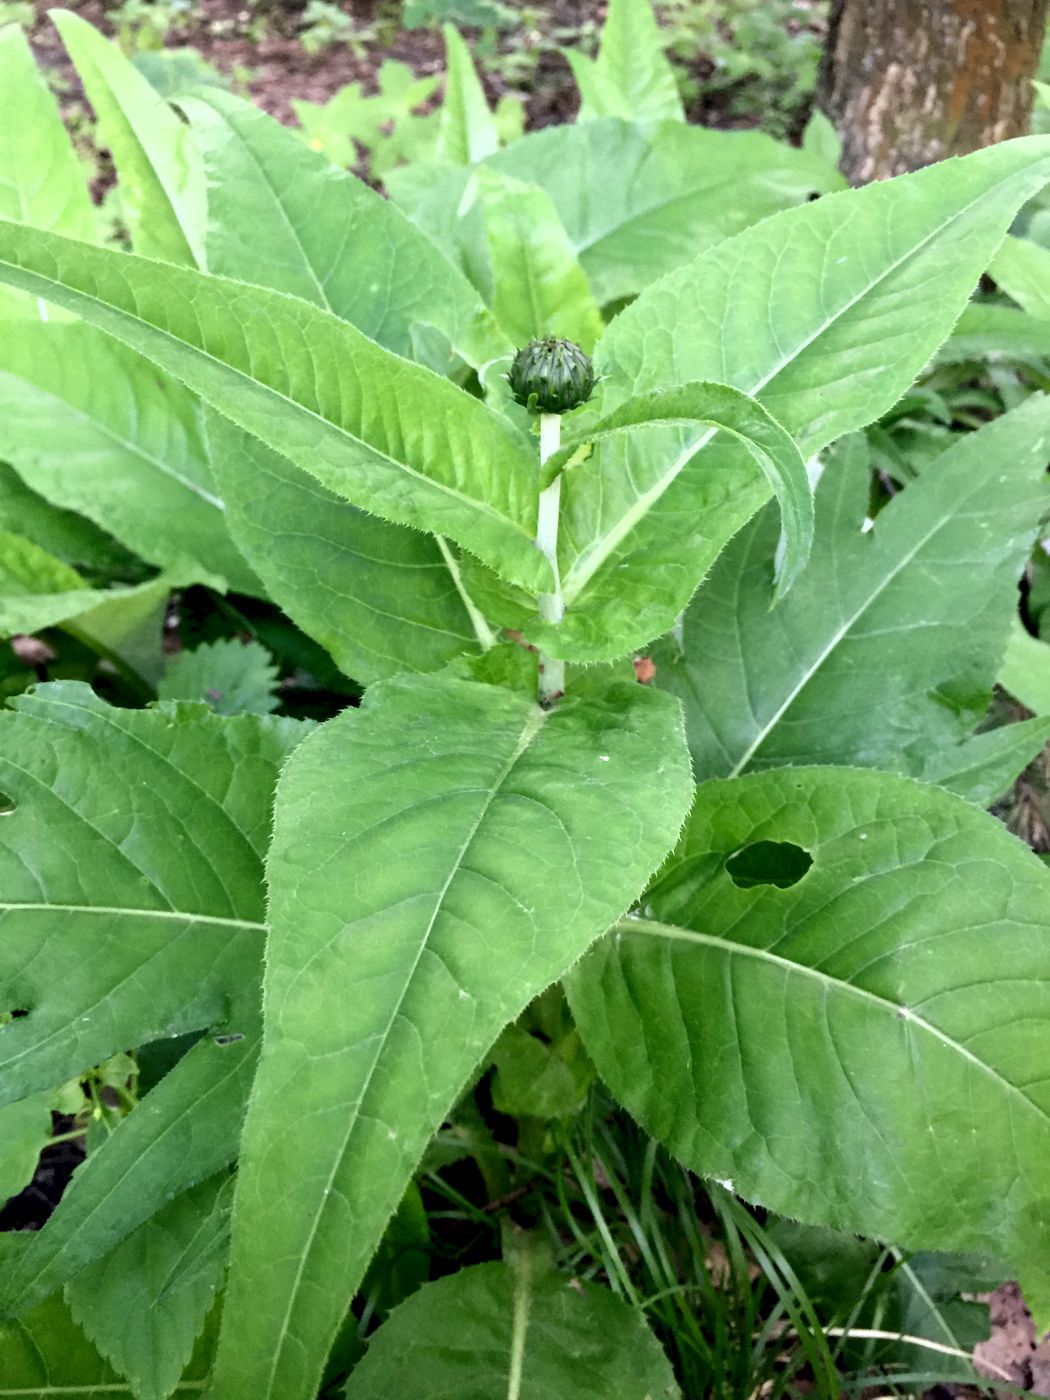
(551, 605)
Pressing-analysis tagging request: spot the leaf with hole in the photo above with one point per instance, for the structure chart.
(857, 1038)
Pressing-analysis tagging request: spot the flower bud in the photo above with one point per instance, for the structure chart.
(551, 376)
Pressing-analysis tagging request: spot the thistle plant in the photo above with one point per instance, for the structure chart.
(792, 943)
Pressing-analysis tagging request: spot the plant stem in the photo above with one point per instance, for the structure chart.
(551, 606)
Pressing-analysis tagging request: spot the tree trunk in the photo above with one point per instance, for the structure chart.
(908, 82)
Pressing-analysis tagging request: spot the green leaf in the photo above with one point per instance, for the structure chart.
(379, 598)
(886, 652)
(825, 314)
(536, 285)
(392, 435)
(821, 139)
(996, 332)
(984, 768)
(125, 1288)
(1022, 270)
(41, 180)
(496, 840)
(144, 1163)
(631, 77)
(60, 532)
(231, 676)
(133, 910)
(131, 907)
(38, 591)
(94, 428)
(45, 1356)
(1025, 671)
(25, 1128)
(864, 1048)
(161, 177)
(722, 408)
(467, 131)
(491, 1331)
(636, 200)
(280, 209)
(537, 1079)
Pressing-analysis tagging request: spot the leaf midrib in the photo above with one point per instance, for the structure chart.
(656, 929)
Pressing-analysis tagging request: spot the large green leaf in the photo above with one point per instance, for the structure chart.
(41, 180)
(132, 906)
(94, 428)
(379, 598)
(391, 435)
(636, 199)
(825, 314)
(279, 215)
(439, 857)
(631, 77)
(118, 1301)
(131, 870)
(161, 176)
(886, 652)
(863, 1048)
(494, 1331)
(468, 131)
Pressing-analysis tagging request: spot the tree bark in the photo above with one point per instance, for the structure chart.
(908, 82)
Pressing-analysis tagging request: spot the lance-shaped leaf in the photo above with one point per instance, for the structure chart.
(389, 435)
(160, 171)
(631, 77)
(825, 314)
(531, 277)
(468, 130)
(859, 1044)
(494, 1330)
(41, 178)
(724, 409)
(381, 599)
(439, 857)
(923, 601)
(280, 212)
(94, 428)
(131, 906)
(637, 200)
